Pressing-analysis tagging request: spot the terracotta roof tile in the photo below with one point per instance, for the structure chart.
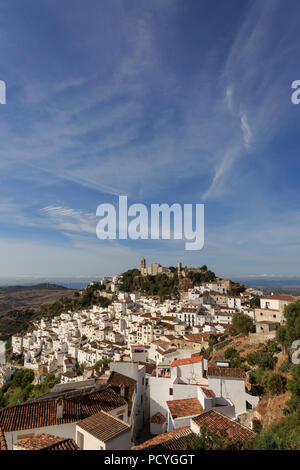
(173, 440)
(103, 426)
(281, 297)
(149, 367)
(207, 392)
(158, 418)
(117, 380)
(184, 407)
(3, 445)
(43, 412)
(185, 361)
(226, 372)
(214, 421)
(47, 442)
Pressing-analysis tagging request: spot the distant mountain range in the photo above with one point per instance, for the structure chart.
(284, 285)
(69, 282)
(15, 297)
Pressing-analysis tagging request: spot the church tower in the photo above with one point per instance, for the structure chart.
(179, 266)
(143, 266)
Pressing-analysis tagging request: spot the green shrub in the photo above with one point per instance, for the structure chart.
(277, 384)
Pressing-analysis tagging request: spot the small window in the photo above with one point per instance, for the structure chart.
(170, 391)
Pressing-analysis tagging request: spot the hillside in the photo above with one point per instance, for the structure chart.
(164, 286)
(15, 297)
(19, 304)
(22, 305)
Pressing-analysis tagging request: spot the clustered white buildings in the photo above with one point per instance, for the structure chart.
(157, 367)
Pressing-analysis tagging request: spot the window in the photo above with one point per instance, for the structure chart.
(170, 391)
(80, 440)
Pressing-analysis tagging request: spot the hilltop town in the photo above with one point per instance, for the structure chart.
(144, 371)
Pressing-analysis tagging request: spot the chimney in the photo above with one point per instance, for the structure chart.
(122, 390)
(59, 408)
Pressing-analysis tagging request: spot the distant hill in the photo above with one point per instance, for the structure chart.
(15, 297)
(18, 304)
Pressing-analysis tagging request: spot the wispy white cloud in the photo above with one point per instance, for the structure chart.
(246, 132)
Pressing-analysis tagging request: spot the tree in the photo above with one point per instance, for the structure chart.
(285, 435)
(263, 359)
(209, 276)
(277, 384)
(294, 387)
(104, 362)
(268, 440)
(255, 302)
(215, 439)
(234, 356)
(2, 399)
(22, 378)
(242, 323)
(290, 332)
(281, 336)
(230, 353)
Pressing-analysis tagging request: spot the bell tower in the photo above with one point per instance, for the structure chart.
(143, 266)
(179, 266)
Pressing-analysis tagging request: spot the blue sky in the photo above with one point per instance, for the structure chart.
(162, 101)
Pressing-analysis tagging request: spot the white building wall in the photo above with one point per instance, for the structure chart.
(233, 389)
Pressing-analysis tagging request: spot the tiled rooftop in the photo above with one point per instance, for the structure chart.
(187, 360)
(226, 372)
(214, 421)
(3, 445)
(184, 407)
(43, 413)
(103, 426)
(47, 442)
(158, 418)
(173, 440)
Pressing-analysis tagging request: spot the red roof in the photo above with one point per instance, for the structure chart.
(158, 418)
(281, 297)
(207, 392)
(173, 440)
(184, 407)
(187, 360)
(42, 413)
(3, 445)
(47, 442)
(214, 421)
(233, 373)
(103, 426)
